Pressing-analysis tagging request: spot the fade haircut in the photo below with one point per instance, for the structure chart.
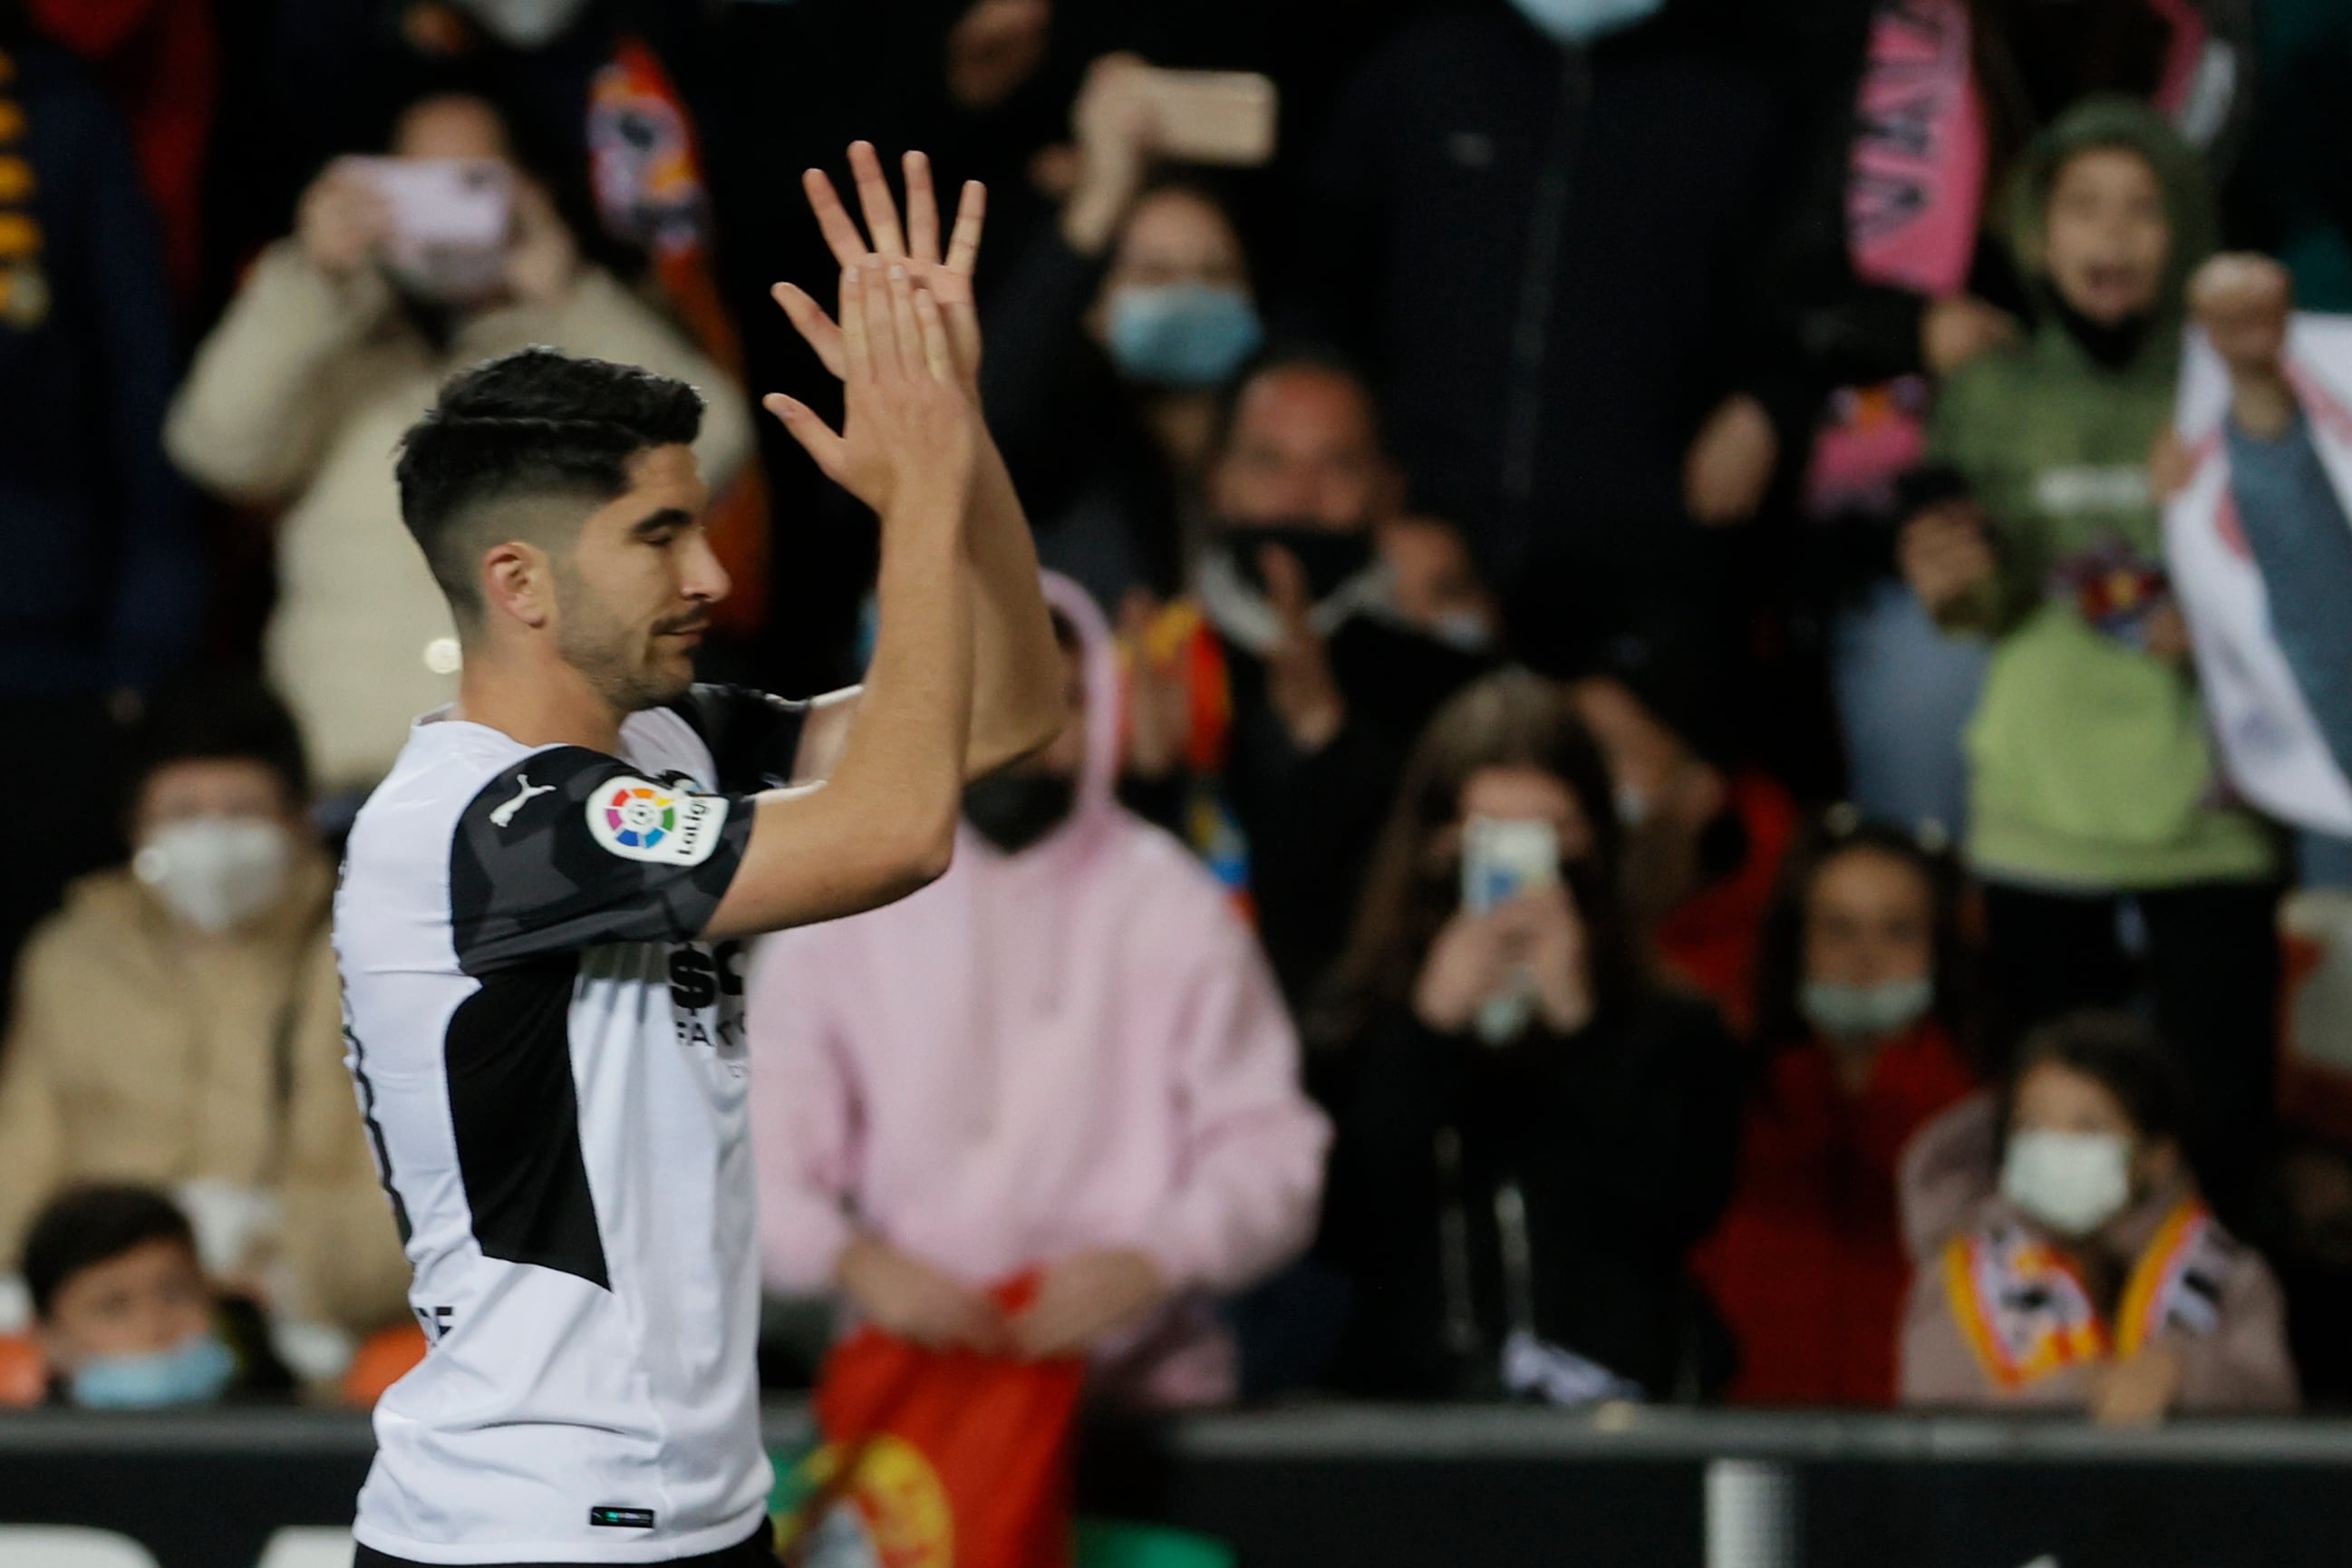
(528, 425)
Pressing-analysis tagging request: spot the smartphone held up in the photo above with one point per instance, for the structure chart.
(451, 219)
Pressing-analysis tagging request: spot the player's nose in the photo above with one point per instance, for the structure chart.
(705, 580)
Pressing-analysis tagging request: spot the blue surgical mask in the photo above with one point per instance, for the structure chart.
(1582, 21)
(1189, 336)
(194, 1372)
(1852, 1013)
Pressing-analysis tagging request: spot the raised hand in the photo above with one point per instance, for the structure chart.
(1305, 693)
(2243, 302)
(1946, 554)
(947, 278)
(908, 426)
(343, 221)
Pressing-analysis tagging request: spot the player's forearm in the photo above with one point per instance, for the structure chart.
(884, 825)
(1017, 701)
(907, 752)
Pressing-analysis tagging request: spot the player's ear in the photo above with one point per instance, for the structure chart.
(519, 583)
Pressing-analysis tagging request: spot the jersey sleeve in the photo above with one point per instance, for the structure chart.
(753, 738)
(570, 848)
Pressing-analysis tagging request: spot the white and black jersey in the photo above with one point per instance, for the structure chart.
(551, 1067)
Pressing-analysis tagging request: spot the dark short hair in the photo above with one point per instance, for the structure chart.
(1781, 957)
(218, 717)
(2124, 1055)
(1295, 354)
(531, 423)
(84, 1227)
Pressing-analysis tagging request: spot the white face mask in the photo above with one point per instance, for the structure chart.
(524, 23)
(216, 872)
(2075, 1183)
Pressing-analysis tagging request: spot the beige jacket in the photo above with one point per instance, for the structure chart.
(298, 399)
(2232, 1342)
(139, 1055)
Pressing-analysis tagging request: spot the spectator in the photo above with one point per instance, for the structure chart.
(2278, 600)
(180, 1022)
(1274, 712)
(2091, 771)
(1519, 1216)
(1894, 280)
(2096, 1280)
(1703, 843)
(1066, 1055)
(1567, 357)
(330, 349)
(123, 1314)
(1858, 1044)
(105, 582)
(1108, 346)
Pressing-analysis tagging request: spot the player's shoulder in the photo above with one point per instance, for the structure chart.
(733, 738)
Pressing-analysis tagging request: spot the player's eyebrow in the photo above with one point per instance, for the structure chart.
(667, 518)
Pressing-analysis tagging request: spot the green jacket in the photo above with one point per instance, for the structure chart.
(2091, 765)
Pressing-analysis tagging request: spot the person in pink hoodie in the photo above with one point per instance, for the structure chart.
(1067, 1055)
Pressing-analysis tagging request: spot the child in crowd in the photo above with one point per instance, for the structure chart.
(2096, 1279)
(1858, 1044)
(1515, 1191)
(123, 1314)
(2093, 781)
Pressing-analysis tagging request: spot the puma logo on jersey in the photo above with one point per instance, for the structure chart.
(505, 815)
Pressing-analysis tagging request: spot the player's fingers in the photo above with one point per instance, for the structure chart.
(833, 219)
(817, 439)
(808, 319)
(963, 244)
(922, 208)
(939, 349)
(905, 329)
(875, 201)
(881, 329)
(856, 333)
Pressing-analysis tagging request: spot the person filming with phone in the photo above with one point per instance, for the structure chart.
(401, 271)
(1531, 1135)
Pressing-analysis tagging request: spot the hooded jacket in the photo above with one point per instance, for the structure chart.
(2091, 765)
(1078, 1046)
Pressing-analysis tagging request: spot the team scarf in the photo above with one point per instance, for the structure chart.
(1914, 191)
(645, 162)
(23, 284)
(2027, 1312)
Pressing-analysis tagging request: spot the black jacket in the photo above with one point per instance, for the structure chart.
(1548, 258)
(1621, 1143)
(1100, 494)
(1312, 821)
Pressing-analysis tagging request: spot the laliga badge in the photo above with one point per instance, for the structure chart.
(639, 820)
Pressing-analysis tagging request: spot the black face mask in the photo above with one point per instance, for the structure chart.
(2111, 346)
(1327, 557)
(1013, 811)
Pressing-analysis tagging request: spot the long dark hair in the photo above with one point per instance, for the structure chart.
(1781, 960)
(1513, 719)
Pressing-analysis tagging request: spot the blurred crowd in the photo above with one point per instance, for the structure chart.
(1694, 774)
